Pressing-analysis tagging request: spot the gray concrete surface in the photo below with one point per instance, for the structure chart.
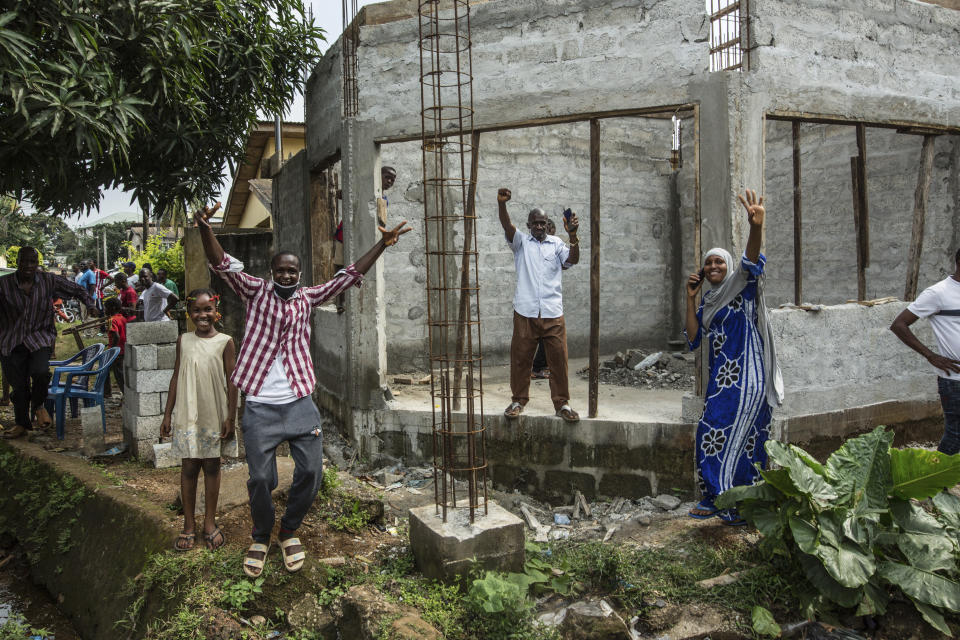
(447, 550)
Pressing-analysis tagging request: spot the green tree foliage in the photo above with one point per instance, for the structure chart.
(46, 233)
(90, 246)
(151, 95)
(855, 528)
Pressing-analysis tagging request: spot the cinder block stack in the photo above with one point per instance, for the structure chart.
(149, 357)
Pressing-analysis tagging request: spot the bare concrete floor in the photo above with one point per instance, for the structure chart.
(615, 403)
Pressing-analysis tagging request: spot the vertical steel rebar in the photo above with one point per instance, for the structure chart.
(348, 42)
(452, 287)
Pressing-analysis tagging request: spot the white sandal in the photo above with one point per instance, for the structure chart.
(253, 567)
(294, 561)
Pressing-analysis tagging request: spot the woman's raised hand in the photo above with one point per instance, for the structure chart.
(754, 207)
(201, 217)
(391, 236)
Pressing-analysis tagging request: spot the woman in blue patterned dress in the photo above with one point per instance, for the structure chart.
(745, 380)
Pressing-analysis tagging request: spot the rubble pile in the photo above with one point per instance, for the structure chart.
(647, 370)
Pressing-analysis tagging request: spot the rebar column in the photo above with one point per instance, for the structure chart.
(446, 98)
(348, 43)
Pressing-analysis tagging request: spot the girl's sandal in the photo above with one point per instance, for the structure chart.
(253, 565)
(293, 554)
(184, 542)
(214, 535)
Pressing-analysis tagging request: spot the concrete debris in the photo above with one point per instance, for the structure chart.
(591, 608)
(531, 519)
(648, 370)
(648, 362)
(720, 580)
(386, 478)
(666, 502)
(609, 534)
(584, 505)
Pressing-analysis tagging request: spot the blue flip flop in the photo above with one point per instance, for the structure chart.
(703, 505)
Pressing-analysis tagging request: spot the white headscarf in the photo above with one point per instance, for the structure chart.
(721, 295)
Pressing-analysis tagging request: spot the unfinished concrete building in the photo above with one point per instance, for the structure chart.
(836, 109)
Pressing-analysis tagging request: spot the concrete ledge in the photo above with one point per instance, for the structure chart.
(546, 457)
(86, 553)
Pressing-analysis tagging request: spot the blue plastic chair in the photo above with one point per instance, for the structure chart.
(83, 359)
(100, 368)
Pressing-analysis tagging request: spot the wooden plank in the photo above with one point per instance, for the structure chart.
(594, 381)
(864, 239)
(816, 118)
(670, 109)
(797, 220)
(919, 215)
(855, 179)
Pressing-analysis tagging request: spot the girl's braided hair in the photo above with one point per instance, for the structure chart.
(210, 293)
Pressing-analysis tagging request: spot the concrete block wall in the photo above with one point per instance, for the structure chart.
(872, 59)
(148, 367)
(846, 356)
(646, 219)
(829, 238)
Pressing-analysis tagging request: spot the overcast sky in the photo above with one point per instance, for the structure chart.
(329, 16)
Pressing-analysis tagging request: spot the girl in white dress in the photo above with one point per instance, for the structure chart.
(200, 412)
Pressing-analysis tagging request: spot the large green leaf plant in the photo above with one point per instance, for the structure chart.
(855, 525)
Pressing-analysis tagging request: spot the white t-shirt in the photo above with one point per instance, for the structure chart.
(276, 386)
(941, 304)
(154, 302)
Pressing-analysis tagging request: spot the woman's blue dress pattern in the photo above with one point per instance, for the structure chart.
(736, 416)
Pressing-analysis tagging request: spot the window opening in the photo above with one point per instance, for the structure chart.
(728, 33)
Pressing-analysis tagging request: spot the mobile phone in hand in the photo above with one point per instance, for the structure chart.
(567, 213)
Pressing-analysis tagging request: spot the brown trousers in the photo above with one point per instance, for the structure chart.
(526, 333)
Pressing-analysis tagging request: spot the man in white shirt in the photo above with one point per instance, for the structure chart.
(538, 305)
(940, 303)
(156, 298)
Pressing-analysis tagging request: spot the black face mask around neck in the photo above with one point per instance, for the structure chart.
(285, 291)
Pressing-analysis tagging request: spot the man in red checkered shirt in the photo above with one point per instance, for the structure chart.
(275, 372)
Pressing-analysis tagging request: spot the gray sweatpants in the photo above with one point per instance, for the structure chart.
(265, 426)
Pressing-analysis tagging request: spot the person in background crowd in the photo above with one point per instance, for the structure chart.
(116, 337)
(126, 295)
(130, 269)
(28, 334)
(101, 279)
(157, 299)
(167, 282)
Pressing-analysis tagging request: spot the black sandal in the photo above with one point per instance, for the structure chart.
(209, 537)
(187, 538)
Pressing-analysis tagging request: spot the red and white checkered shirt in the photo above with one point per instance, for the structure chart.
(276, 325)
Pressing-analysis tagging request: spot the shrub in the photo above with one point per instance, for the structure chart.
(855, 528)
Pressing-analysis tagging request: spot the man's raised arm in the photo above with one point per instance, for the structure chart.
(211, 246)
(503, 196)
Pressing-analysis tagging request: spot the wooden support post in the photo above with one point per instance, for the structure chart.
(919, 216)
(594, 381)
(797, 220)
(861, 274)
(469, 215)
(863, 221)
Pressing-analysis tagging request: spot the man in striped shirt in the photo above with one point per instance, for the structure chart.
(275, 372)
(27, 335)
